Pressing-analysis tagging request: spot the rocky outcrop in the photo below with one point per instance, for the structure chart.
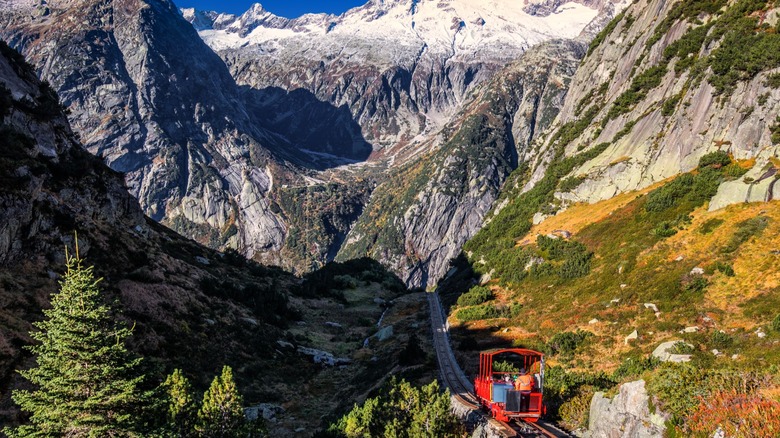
(146, 95)
(627, 415)
(660, 115)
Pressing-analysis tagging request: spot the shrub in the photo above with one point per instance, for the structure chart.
(561, 386)
(576, 265)
(476, 295)
(575, 411)
(715, 159)
(693, 284)
(709, 225)
(776, 323)
(667, 195)
(503, 366)
(485, 311)
(670, 105)
(567, 342)
(723, 268)
(682, 347)
(775, 130)
(746, 230)
(734, 171)
(635, 367)
(720, 340)
(571, 183)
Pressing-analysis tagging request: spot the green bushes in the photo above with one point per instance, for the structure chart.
(669, 228)
(575, 256)
(605, 32)
(679, 387)
(640, 86)
(715, 159)
(695, 189)
(746, 230)
(570, 183)
(775, 130)
(475, 295)
(709, 225)
(488, 311)
(667, 195)
(670, 105)
(502, 366)
(634, 367)
(693, 284)
(776, 323)
(401, 410)
(560, 386)
(567, 342)
(720, 340)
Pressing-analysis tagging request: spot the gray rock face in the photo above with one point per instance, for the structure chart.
(625, 416)
(661, 143)
(444, 200)
(149, 97)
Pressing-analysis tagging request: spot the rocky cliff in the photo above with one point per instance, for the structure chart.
(627, 414)
(146, 95)
(419, 219)
(666, 83)
(52, 188)
(437, 102)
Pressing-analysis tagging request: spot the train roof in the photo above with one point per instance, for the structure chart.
(521, 351)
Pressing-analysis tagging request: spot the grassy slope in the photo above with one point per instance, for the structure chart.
(633, 265)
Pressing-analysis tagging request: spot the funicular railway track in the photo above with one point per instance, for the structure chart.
(463, 390)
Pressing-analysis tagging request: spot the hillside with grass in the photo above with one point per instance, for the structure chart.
(655, 262)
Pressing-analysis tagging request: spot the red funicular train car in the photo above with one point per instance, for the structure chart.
(498, 391)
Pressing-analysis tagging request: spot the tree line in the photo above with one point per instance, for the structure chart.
(87, 384)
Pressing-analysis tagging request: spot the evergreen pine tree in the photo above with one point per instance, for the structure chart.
(85, 380)
(181, 415)
(222, 415)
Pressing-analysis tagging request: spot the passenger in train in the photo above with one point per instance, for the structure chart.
(525, 384)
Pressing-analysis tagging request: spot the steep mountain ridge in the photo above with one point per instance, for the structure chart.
(677, 80)
(418, 220)
(146, 95)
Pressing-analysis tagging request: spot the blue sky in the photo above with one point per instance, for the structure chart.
(284, 8)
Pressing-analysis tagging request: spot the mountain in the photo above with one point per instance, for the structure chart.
(190, 307)
(675, 81)
(276, 148)
(402, 68)
(146, 95)
(420, 218)
(412, 75)
(644, 227)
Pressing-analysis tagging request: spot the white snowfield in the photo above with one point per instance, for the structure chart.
(395, 32)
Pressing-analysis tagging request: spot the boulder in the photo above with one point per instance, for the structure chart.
(662, 352)
(633, 336)
(697, 271)
(625, 416)
(384, 334)
(323, 357)
(266, 411)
